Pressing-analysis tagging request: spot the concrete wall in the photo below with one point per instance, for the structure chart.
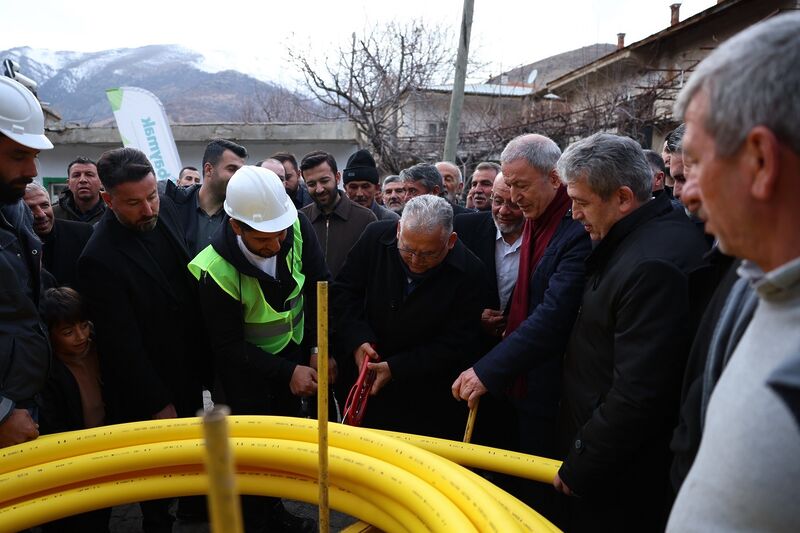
(261, 140)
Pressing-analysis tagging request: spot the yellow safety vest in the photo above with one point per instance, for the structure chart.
(265, 327)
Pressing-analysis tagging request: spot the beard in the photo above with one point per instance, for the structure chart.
(10, 194)
(505, 229)
(141, 225)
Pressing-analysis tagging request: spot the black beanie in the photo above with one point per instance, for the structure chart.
(360, 167)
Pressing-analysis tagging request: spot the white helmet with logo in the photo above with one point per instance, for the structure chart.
(21, 116)
(257, 197)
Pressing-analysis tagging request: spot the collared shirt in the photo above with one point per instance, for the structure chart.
(264, 264)
(506, 261)
(207, 225)
(774, 283)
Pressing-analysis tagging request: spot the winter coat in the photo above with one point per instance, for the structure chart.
(623, 370)
(427, 337)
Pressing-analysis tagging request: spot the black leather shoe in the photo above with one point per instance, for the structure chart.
(279, 520)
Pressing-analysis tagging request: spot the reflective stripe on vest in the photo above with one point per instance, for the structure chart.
(265, 327)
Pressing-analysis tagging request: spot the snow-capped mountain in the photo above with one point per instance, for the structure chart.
(74, 83)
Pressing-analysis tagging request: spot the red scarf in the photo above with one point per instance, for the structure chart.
(536, 236)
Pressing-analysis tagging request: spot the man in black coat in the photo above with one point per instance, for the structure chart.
(413, 291)
(134, 278)
(628, 348)
(200, 206)
(62, 240)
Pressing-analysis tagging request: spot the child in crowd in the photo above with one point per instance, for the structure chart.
(72, 398)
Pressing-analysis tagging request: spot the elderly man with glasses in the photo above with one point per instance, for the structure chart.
(409, 298)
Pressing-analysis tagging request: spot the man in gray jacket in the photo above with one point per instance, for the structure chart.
(743, 143)
(24, 348)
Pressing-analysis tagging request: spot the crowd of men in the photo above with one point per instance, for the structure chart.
(630, 313)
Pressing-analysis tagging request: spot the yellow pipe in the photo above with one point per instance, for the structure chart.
(51, 447)
(299, 458)
(485, 506)
(76, 500)
(322, 404)
(522, 465)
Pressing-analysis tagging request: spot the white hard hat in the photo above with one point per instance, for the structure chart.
(21, 117)
(257, 197)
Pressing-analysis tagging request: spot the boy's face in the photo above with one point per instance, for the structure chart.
(70, 340)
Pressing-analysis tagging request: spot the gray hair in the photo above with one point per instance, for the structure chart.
(426, 173)
(391, 179)
(538, 151)
(35, 187)
(607, 162)
(428, 213)
(767, 53)
(488, 165)
(458, 170)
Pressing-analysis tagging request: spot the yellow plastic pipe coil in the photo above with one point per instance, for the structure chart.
(396, 482)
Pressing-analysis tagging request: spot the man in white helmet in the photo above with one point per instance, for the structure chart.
(24, 348)
(258, 296)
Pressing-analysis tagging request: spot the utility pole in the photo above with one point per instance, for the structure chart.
(457, 98)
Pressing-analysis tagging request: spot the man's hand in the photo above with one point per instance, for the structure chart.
(561, 486)
(468, 387)
(167, 412)
(304, 381)
(365, 350)
(469, 203)
(19, 427)
(383, 374)
(493, 322)
(332, 368)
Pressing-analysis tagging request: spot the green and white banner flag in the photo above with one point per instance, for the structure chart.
(143, 124)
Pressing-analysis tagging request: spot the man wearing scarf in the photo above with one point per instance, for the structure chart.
(527, 364)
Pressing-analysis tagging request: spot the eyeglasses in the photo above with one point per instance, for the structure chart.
(500, 202)
(422, 256)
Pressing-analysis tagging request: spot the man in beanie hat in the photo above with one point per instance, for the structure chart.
(361, 184)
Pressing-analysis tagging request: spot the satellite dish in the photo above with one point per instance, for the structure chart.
(532, 76)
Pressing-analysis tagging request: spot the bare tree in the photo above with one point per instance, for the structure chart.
(279, 104)
(368, 79)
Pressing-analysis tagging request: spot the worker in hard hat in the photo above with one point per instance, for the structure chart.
(258, 296)
(24, 348)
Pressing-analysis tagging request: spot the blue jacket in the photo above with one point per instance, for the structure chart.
(537, 346)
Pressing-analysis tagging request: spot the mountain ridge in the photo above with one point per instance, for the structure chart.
(74, 84)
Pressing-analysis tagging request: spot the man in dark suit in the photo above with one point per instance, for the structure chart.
(628, 347)
(62, 240)
(414, 292)
(495, 237)
(134, 278)
(526, 365)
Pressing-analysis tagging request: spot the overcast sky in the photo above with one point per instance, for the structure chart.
(251, 36)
